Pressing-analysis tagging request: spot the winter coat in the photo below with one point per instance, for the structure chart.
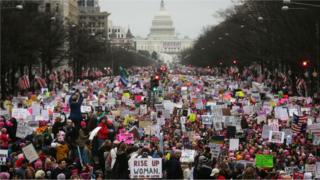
(173, 169)
(82, 138)
(103, 132)
(75, 109)
(120, 168)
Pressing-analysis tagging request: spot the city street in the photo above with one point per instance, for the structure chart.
(233, 96)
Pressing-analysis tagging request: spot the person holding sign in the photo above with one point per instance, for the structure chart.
(75, 103)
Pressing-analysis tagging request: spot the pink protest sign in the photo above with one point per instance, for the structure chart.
(127, 138)
(138, 98)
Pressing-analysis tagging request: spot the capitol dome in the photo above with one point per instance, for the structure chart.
(162, 25)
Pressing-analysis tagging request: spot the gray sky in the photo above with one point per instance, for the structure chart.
(189, 17)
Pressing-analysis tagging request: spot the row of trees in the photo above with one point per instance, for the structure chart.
(36, 43)
(263, 32)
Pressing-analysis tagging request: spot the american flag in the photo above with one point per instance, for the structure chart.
(299, 123)
(23, 82)
(42, 82)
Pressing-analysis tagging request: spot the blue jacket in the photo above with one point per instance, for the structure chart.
(75, 109)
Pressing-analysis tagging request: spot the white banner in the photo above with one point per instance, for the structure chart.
(30, 153)
(146, 168)
(3, 156)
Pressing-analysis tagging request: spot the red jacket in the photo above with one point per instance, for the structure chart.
(5, 140)
(103, 132)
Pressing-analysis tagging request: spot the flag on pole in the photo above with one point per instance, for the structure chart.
(23, 82)
(299, 123)
(124, 76)
(42, 82)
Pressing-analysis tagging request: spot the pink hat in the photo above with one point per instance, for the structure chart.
(38, 164)
(83, 124)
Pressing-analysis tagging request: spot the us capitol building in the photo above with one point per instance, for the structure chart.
(162, 37)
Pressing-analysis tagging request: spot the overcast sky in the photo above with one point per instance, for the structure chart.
(189, 17)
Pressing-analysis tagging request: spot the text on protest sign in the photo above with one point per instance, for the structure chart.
(146, 168)
(30, 153)
(3, 156)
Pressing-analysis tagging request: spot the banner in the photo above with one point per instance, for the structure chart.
(127, 138)
(233, 144)
(23, 130)
(146, 168)
(276, 137)
(94, 132)
(206, 119)
(264, 161)
(187, 155)
(85, 109)
(30, 153)
(3, 156)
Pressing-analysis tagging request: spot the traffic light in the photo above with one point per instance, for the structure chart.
(155, 83)
(304, 64)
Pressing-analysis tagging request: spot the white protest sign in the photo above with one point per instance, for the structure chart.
(215, 149)
(266, 131)
(143, 109)
(276, 137)
(233, 144)
(274, 124)
(317, 173)
(146, 168)
(3, 156)
(187, 155)
(94, 132)
(20, 113)
(85, 109)
(293, 111)
(36, 108)
(45, 115)
(207, 119)
(281, 113)
(248, 109)
(23, 130)
(310, 168)
(30, 153)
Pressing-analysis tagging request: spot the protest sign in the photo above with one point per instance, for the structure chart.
(187, 155)
(3, 156)
(127, 138)
(276, 137)
(30, 153)
(317, 173)
(233, 144)
(45, 114)
(281, 113)
(19, 113)
(217, 126)
(264, 161)
(274, 124)
(266, 131)
(310, 168)
(215, 149)
(36, 108)
(146, 168)
(23, 130)
(293, 111)
(94, 132)
(248, 110)
(290, 170)
(85, 109)
(206, 119)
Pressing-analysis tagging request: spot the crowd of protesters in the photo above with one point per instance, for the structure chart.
(66, 151)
